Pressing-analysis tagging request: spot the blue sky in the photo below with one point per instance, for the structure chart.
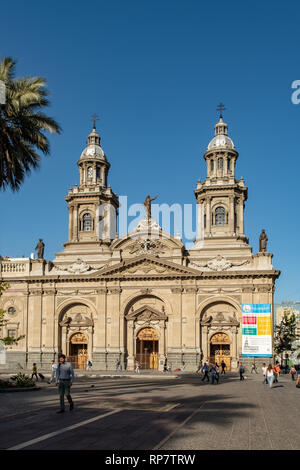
(154, 72)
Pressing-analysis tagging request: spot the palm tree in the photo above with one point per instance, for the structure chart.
(22, 125)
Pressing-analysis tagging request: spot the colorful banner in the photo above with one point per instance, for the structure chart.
(256, 330)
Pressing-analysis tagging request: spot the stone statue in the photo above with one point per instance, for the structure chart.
(40, 249)
(263, 242)
(147, 204)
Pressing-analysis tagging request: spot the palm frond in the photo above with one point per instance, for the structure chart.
(22, 125)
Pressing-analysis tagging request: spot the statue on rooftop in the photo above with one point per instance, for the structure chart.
(147, 204)
(263, 242)
(40, 249)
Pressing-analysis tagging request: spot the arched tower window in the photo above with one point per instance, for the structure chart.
(98, 172)
(87, 222)
(220, 163)
(229, 164)
(211, 165)
(220, 216)
(90, 172)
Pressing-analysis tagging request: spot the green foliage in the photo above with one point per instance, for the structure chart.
(22, 125)
(8, 340)
(22, 380)
(285, 333)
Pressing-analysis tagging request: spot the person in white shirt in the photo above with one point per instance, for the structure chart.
(270, 375)
(53, 372)
(264, 370)
(137, 367)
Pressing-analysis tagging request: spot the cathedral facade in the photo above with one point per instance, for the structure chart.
(141, 297)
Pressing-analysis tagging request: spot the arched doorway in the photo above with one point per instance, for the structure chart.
(78, 351)
(220, 349)
(147, 348)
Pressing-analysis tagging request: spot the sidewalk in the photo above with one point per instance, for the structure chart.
(6, 373)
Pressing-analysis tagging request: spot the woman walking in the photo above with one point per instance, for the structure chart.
(264, 370)
(270, 375)
(293, 372)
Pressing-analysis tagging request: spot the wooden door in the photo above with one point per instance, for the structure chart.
(220, 349)
(82, 357)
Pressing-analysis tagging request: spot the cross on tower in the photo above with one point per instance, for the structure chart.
(221, 108)
(94, 119)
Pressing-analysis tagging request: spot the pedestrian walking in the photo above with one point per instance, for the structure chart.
(270, 375)
(217, 373)
(293, 372)
(118, 363)
(206, 371)
(242, 371)
(64, 380)
(199, 368)
(34, 371)
(276, 370)
(137, 367)
(253, 368)
(223, 366)
(264, 370)
(53, 372)
(89, 365)
(182, 366)
(213, 373)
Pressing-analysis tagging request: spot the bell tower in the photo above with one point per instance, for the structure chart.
(92, 205)
(221, 196)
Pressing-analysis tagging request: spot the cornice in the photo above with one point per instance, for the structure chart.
(270, 274)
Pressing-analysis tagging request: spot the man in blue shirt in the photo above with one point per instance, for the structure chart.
(64, 380)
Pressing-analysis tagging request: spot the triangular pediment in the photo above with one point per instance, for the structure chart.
(145, 266)
(146, 313)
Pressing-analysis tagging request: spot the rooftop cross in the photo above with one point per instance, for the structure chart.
(94, 119)
(221, 108)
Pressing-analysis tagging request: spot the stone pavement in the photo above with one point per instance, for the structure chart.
(167, 414)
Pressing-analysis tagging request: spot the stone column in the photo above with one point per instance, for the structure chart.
(34, 326)
(234, 350)
(200, 221)
(47, 333)
(205, 345)
(231, 214)
(103, 175)
(225, 165)
(130, 345)
(94, 173)
(241, 216)
(75, 224)
(113, 333)
(161, 346)
(208, 215)
(198, 333)
(99, 341)
(70, 223)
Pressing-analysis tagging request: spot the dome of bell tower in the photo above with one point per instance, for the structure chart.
(93, 148)
(221, 139)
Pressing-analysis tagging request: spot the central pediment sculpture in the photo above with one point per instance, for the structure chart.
(146, 246)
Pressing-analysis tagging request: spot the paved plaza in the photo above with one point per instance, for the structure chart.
(155, 412)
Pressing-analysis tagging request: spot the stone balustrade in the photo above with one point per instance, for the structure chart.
(14, 267)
